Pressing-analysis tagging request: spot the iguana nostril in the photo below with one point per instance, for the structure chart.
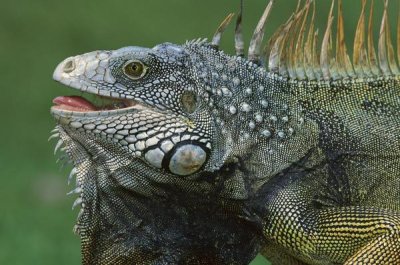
(69, 66)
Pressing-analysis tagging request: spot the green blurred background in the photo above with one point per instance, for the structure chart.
(36, 219)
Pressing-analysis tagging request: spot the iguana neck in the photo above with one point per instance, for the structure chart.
(249, 104)
(254, 112)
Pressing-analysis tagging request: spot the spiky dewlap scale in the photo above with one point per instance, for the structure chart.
(206, 158)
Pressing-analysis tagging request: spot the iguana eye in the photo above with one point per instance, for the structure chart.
(135, 69)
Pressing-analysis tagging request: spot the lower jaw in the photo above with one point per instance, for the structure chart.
(91, 103)
(61, 112)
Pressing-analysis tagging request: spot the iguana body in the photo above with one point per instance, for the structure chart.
(207, 158)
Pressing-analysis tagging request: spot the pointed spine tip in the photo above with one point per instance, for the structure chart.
(53, 136)
(222, 27)
(58, 145)
(71, 175)
(372, 58)
(258, 35)
(327, 46)
(239, 42)
(360, 59)
(77, 202)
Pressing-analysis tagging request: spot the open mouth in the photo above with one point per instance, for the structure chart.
(77, 72)
(95, 104)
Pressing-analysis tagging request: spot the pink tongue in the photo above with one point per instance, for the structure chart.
(74, 103)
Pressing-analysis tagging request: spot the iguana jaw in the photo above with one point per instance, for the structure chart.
(81, 104)
(90, 73)
(78, 106)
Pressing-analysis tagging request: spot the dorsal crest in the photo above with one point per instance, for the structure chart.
(295, 51)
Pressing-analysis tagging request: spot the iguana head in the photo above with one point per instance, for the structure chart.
(154, 112)
(154, 130)
(167, 106)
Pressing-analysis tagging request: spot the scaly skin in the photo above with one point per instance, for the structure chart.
(308, 172)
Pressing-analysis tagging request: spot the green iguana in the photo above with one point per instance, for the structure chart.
(200, 157)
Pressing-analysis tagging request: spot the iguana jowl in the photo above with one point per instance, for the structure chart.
(205, 158)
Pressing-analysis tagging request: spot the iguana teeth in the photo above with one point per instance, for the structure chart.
(75, 191)
(58, 145)
(56, 135)
(71, 175)
(77, 202)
